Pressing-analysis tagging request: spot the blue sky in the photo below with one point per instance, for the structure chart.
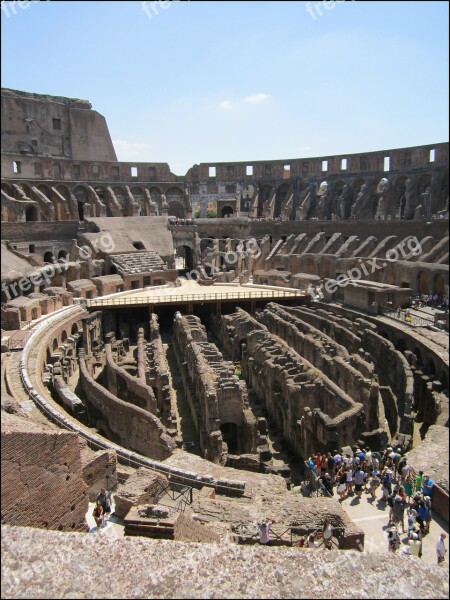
(191, 82)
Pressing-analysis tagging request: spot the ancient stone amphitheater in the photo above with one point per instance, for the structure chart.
(195, 363)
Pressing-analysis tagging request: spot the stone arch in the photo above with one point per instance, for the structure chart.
(119, 193)
(49, 257)
(155, 194)
(64, 336)
(81, 194)
(175, 200)
(138, 194)
(74, 329)
(6, 188)
(397, 204)
(63, 254)
(280, 197)
(31, 213)
(230, 435)
(185, 256)
(423, 182)
(25, 189)
(227, 211)
(263, 197)
(441, 201)
(55, 344)
(45, 190)
(337, 189)
(423, 282)
(439, 284)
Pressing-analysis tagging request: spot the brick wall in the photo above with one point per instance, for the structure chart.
(188, 530)
(42, 479)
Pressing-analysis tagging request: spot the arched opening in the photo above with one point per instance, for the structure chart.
(423, 282)
(55, 344)
(399, 199)
(63, 336)
(63, 255)
(230, 436)
(400, 346)
(227, 212)
(175, 200)
(113, 270)
(81, 196)
(31, 213)
(176, 209)
(48, 257)
(439, 284)
(74, 329)
(263, 197)
(184, 259)
(280, 197)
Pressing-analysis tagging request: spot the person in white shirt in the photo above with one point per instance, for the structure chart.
(441, 550)
(264, 531)
(311, 543)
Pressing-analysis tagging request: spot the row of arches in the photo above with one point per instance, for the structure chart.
(70, 202)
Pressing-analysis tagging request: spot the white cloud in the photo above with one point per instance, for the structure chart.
(127, 151)
(256, 98)
(226, 105)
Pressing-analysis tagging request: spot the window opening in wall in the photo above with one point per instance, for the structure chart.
(76, 171)
(387, 163)
(56, 123)
(287, 168)
(134, 172)
(56, 172)
(31, 248)
(16, 166)
(344, 164)
(212, 171)
(267, 170)
(115, 173)
(34, 142)
(230, 171)
(324, 165)
(95, 170)
(27, 129)
(37, 169)
(432, 155)
(249, 170)
(135, 284)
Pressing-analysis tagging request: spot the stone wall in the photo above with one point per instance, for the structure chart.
(188, 530)
(131, 426)
(42, 477)
(217, 398)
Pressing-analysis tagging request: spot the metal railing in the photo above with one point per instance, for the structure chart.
(408, 319)
(291, 534)
(186, 298)
(315, 486)
(179, 495)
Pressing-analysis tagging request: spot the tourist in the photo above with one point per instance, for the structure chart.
(412, 520)
(327, 483)
(427, 485)
(415, 544)
(349, 482)
(441, 550)
(359, 479)
(422, 512)
(311, 543)
(386, 484)
(105, 500)
(419, 478)
(327, 534)
(97, 513)
(393, 540)
(342, 483)
(398, 512)
(428, 518)
(374, 484)
(264, 531)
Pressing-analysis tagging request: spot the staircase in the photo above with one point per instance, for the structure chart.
(135, 263)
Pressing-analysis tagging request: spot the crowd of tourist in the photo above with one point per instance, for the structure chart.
(180, 222)
(407, 493)
(431, 300)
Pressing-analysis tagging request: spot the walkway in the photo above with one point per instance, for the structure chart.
(372, 517)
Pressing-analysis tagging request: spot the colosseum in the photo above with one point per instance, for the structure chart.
(189, 342)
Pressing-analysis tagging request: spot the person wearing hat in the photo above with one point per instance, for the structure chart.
(398, 512)
(415, 545)
(393, 540)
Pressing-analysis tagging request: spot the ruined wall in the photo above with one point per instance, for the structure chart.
(123, 385)
(217, 397)
(42, 478)
(130, 426)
